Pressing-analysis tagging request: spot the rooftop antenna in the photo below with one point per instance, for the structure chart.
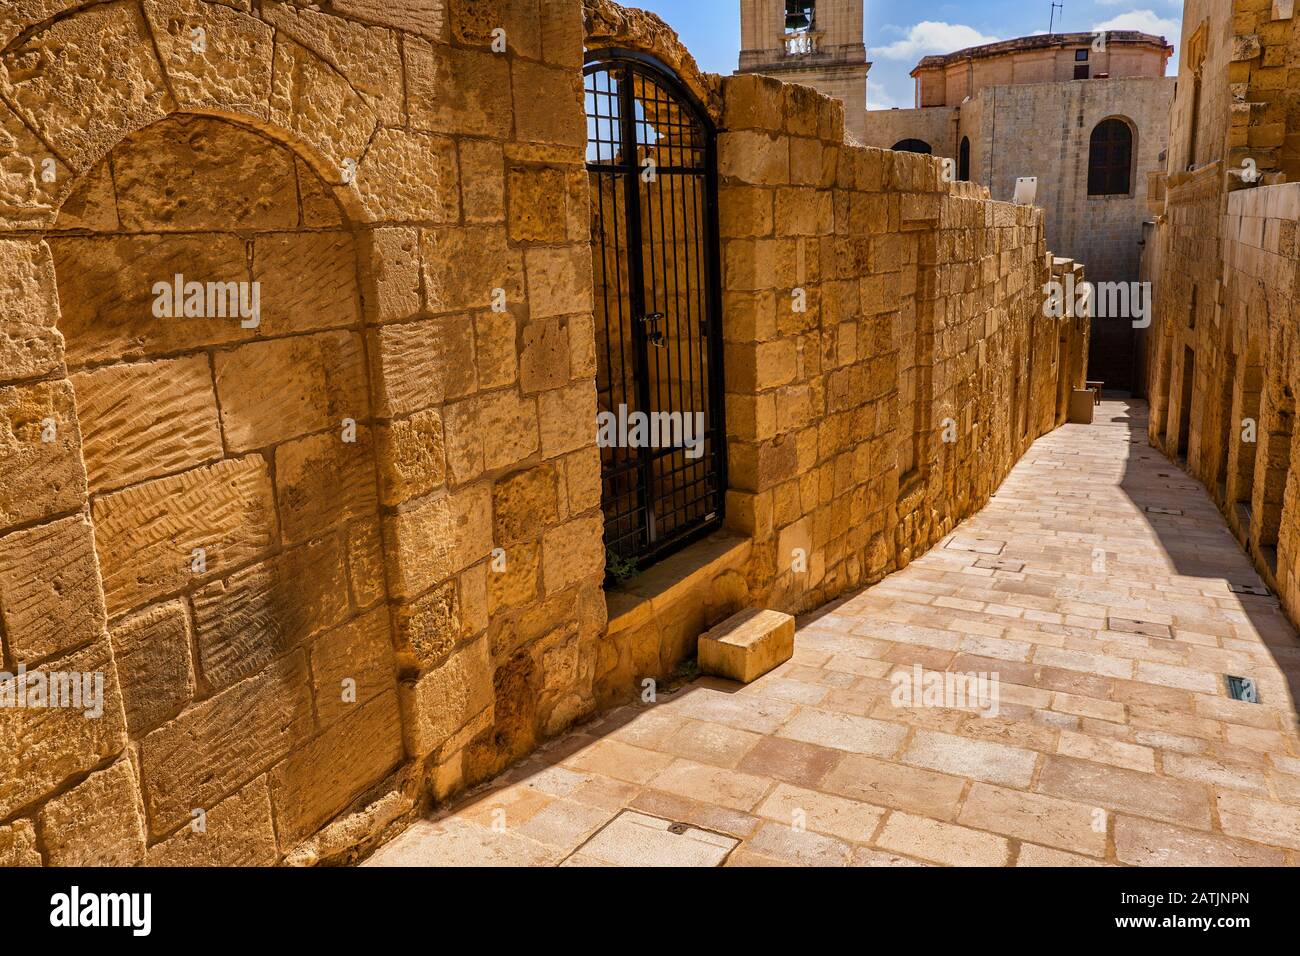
(1051, 24)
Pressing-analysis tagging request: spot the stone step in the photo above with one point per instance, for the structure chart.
(747, 645)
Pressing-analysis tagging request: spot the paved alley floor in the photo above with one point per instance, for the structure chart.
(1097, 586)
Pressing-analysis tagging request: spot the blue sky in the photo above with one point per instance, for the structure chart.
(900, 32)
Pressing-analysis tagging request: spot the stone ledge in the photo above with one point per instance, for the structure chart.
(747, 645)
(665, 583)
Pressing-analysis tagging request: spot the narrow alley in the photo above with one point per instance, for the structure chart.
(1101, 587)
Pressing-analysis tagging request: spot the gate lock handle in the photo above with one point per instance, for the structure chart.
(653, 335)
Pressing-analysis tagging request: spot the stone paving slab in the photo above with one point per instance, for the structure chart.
(1110, 627)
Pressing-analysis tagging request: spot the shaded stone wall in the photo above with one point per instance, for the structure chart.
(1221, 357)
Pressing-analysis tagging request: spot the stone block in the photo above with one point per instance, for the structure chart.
(282, 388)
(233, 70)
(236, 832)
(747, 645)
(50, 593)
(458, 91)
(27, 200)
(316, 101)
(43, 748)
(38, 477)
(573, 552)
(359, 652)
(152, 651)
(322, 481)
(392, 262)
(415, 16)
(308, 281)
(482, 174)
(495, 349)
(97, 822)
(412, 458)
(365, 546)
(425, 363)
(18, 845)
(524, 504)
(216, 747)
(446, 698)
(438, 538)
(409, 176)
(548, 104)
(462, 268)
(30, 345)
(429, 627)
(559, 281)
(143, 420)
(247, 620)
(567, 418)
(322, 777)
(146, 535)
(82, 81)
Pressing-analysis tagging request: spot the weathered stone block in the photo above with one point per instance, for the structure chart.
(498, 428)
(573, 552)
(458, 91)
(143, 420)
(83, 80)
(310, 97)
(231, 72)
(39, 478)
(559, 281)
(366, 565)
(279, 389)
(152, 651)
(393, 263)
(429, 627)
(495, 349)
(524, 504)
(50, 596)
(426, 17)
(322, 481)
(438, 538)
(747, 645)
(236, 832)
(516, 584)
(359, 652)
(567, 418)
(106, 291)
(308, 281)
(409, 176)
(369, 57)
(548, 104)
(212, 749)
(544, 355)
(146, 535)
(18, 845)
(321, 778)
(446, 698)
(482, 180)
(27, 200)
(244, 622)
(97, 822)
(462, 268)
(412, 460)
(42, 748)
(424, 363)
(30, 345)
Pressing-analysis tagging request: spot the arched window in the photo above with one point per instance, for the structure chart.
(1110, 159)
(913, 146)
(963, 160)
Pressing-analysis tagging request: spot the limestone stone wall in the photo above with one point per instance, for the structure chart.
(392, 475)
(936, 125)
(1221, 357)
(924, 317)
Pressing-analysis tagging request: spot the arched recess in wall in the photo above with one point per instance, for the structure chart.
(1111, 148)
(212, 317)
(913, 146)
(214, 526)
(652, 164)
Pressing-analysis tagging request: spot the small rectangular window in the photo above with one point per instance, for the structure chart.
(1081, 56)
(1081, 71)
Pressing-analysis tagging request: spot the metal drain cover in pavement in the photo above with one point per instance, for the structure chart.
(1163, 511)
(977, 545)
(1135, 626)
(638, 839)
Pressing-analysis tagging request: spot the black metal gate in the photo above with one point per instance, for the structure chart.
(651, 163)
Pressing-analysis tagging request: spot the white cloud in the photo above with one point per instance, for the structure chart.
(1145, 20)
(931, 36)
(879, 98)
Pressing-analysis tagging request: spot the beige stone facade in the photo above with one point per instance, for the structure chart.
(1011, 110)
(830, 56)
(341, 557)
(1223, 257)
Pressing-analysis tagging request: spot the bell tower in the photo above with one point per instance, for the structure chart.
(814, 42)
